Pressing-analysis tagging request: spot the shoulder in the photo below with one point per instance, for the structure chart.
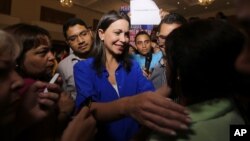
(66, 60)
(88, 63)
(134, 64)
(158, 55)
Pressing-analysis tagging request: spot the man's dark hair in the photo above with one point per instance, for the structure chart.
(142, 33)
(172, 18)
(72, 22)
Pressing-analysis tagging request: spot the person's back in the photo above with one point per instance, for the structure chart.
(204, 78)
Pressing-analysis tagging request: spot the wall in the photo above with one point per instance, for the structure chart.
(227, 12)
(28, 11)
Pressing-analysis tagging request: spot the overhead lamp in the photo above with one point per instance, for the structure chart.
(206, 2)
(66, 3)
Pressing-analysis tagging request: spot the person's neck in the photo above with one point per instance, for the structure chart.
(111, 62)
(82, 55)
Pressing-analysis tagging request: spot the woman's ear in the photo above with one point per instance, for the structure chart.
(101, 34)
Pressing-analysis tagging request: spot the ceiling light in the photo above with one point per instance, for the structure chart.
(66, 3)
(206, 2)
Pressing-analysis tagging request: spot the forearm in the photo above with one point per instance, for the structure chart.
(109, 111)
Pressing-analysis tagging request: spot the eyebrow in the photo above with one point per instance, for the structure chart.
(84, 30)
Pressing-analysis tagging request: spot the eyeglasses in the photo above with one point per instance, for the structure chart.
(140, 43)
(82, 34)
(162, 37)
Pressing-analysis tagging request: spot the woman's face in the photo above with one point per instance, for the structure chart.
(10, 82)
(39, 61)
(115, 37)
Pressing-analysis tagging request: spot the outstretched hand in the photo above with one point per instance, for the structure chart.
(155, 111)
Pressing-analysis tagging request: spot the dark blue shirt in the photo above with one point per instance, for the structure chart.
(90, 84)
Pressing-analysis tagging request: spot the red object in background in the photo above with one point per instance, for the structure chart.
(27, 83)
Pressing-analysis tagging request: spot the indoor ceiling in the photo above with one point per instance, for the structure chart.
(184, 7)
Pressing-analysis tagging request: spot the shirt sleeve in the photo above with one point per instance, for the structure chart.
(83, 75)
(143, 83)
(60, 71)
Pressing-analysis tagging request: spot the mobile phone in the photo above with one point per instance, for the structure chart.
(52, 81)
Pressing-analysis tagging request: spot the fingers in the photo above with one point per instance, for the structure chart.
(169, 109)
(84, 113)
(160, 114)
(147, 75)
(59, 81)
(48, 99)
(54, 88)
(38, 85)
(165, 131)
(84, 131)
(169, 104)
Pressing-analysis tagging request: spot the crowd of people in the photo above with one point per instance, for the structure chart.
(192, 80)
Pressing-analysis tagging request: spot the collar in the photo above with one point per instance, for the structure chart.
(210, 109)
(104, 70)
(75, 58)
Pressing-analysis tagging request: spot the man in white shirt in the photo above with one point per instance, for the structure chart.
(80, 40)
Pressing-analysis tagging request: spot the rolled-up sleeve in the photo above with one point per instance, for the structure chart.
(83, 75)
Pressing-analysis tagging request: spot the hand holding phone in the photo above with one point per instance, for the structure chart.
(52, 81)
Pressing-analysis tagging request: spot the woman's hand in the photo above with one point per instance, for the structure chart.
(155, 111)
(81, 128)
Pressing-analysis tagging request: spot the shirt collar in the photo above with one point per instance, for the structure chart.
(75, 58)
(104, 70)
(209, 109)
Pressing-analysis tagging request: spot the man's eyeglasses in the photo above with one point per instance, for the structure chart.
(82, 34)
(162, 37)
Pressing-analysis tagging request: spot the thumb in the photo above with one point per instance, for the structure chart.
(164, 90)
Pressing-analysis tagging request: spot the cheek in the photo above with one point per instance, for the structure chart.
(127, 40)
(89, 40)
(35, 65)
(162, 40)
(108, 42)
(148, 47)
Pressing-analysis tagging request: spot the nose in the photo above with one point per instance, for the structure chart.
(51, 56)
(123, 38)
(143, 44)
(80, 39)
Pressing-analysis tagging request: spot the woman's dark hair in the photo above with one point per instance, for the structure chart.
(99, 53)
(28, 37)
(202, 54)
